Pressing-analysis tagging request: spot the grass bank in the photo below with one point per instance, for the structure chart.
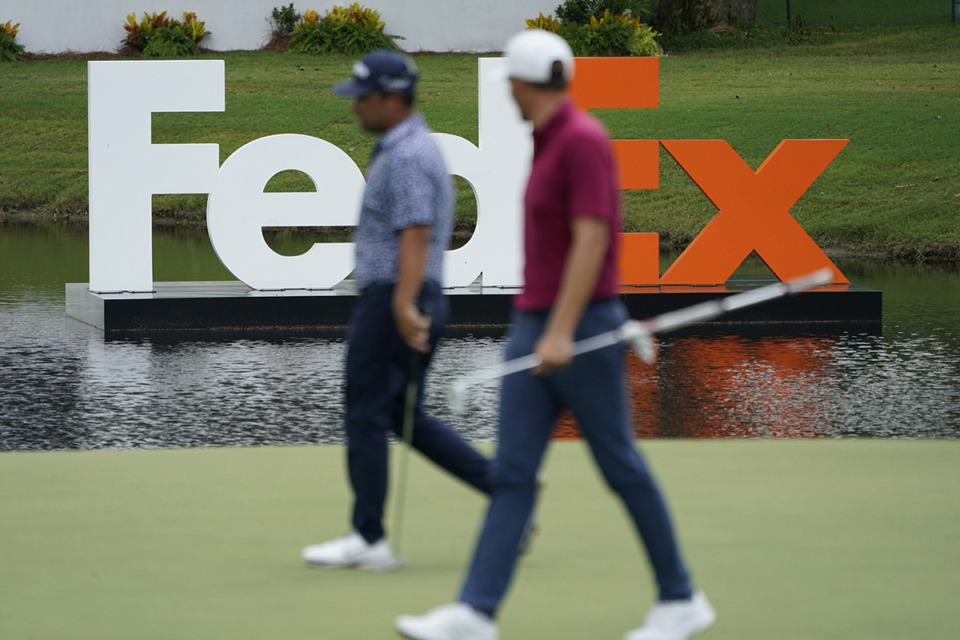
(791, 539)
(893, 91)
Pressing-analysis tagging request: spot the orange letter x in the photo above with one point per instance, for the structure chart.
(754, 210)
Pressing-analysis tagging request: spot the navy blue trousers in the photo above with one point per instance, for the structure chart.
(378, 368)
(594, 389)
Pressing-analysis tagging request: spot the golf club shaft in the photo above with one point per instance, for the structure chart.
(673, 320)
(409, 405)
(523, 363)
(663, 323)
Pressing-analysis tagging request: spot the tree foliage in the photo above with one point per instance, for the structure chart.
(680, 16)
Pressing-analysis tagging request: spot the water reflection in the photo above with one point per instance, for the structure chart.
(203, 393)
(63, 387)
(85, 393)
(805, 386)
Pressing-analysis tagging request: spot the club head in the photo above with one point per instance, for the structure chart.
(457, 397)
(638, 337)
(817, 278)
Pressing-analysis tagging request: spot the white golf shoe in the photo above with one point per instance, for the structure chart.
(676, 620)
(351, 551)
(457, 621)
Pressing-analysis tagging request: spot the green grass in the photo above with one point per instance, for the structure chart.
(894, 191)
(794, 540)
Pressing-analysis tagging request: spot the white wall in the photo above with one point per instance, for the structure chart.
(56, 26)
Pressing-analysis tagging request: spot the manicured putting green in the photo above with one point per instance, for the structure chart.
(791, 539)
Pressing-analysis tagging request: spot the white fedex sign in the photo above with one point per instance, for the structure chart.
(127, 169)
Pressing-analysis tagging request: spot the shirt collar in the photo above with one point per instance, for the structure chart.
(403, 130)
(563, 113)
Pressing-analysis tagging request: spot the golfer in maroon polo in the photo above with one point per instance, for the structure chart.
(572, 217)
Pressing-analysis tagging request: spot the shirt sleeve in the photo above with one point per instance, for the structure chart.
(414, 192)
(592, 182)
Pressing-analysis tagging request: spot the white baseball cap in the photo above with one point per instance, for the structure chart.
(531, 55)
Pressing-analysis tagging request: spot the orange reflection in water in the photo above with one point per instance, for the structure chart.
(728, 386)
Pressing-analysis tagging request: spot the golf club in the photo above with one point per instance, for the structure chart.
(409, 405)
(639, 333)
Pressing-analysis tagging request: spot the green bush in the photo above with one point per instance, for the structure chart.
(606, 35)
(580, 11)
(690, 16)
(169, 42)
(156, 35)
(283, 21)
(352, 30)
(10, 49)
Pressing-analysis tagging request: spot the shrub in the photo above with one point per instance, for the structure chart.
(798, 33)
(581, 11)
(156, 35)
(606, 35)
(691, 16)
(169, 42)
(547, 23)
(352, 30)
(10, 49)
(139, 33)
(193, 28)
(283, 21)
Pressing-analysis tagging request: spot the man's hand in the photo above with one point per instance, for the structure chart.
(581, 270)
(555, 351)
(413, 327)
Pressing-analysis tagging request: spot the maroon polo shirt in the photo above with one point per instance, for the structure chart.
(573, 175)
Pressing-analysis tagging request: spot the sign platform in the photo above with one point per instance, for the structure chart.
(231, 309)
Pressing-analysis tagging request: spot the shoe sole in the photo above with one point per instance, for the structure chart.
(404, 634)
(702, 625)
(379, 567)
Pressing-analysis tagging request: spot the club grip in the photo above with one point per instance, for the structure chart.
(416, 359)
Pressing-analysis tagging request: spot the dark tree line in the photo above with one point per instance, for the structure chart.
(673, 16)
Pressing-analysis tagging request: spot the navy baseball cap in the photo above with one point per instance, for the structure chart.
(384, 71)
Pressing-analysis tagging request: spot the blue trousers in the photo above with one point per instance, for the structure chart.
(378, 368)
(593, 388)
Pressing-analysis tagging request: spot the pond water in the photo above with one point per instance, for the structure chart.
(63, 387)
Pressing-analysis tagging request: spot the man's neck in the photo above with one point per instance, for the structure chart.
(399, 118)
(546, 107)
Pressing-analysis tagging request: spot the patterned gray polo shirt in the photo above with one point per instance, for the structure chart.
(407, 185)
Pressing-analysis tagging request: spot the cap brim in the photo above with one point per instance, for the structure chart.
(500, 74)
(350, 88)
